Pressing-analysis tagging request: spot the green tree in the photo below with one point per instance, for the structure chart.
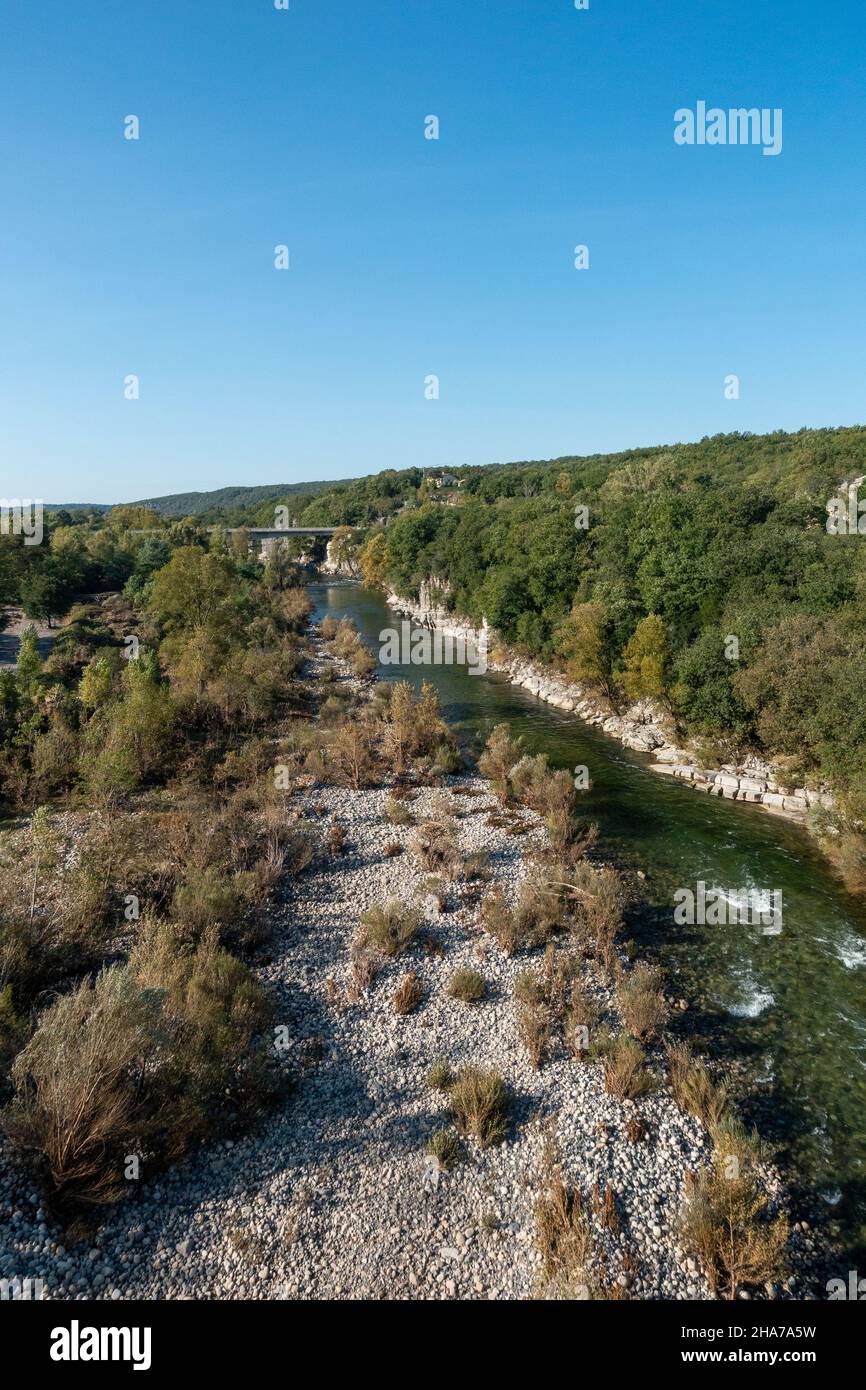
(645, 660)
(195, 589)
(586, 642)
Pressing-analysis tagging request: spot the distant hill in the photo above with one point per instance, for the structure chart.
(77, 506)
(226, 498)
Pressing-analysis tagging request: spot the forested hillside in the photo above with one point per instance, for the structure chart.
(701, 574)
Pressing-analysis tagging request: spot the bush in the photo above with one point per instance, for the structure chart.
(642, 1004)
(727, 1226)
(553, 1002)
(351, 756)
(480, 1104)
(466, 985)
(82, 1085)
(447, 761)
(397, 812)
(600, 898)
(445, 1147)
(436, 849)
(389, 927)
(440, 1075)
(152, 1057)
(540, 907)
(694, 1089)
(563, 1239)
(208, 897)
(500, 922)
(625, 1073)
(501, 752)
(335, 839)
(533, 1016)
(409, 993)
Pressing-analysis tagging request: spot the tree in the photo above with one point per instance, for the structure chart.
(46, 592)
(645, 660)
(29, 666)
(374, 560)
(586, 642)
(94, 688)
(132, 518)
(194, 589)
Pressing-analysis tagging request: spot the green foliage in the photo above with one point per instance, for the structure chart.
(687, 547)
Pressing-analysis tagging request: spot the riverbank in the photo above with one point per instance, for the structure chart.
(642, 727)
(336, 1195)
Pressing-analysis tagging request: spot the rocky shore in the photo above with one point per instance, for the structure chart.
(641, 727)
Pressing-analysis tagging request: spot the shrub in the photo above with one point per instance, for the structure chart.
(501, 752)
(635, 1130)
(625, 1073)
(409, 993)
(435, 847)
(466, 985)
(553, 1001)
(600, 897)
(581, 1017)
(447, 761)
(563, 1239)
(365, 967)
(480, 1103)
(445, 1147)
(213, 1008)
(397, 812)
(351, 757)
(413, 727)
(300, 849)
(694, 1089)
(642, 1004)
(80, 1083)
(476, 866)
(335, 840)
(392, 849)
(726, 1224)
(440, 1075)
(533, 1016)
(390, 927)
(362, 662)
(540, 907)
(551, 794)
(208, 897)
(500, 922)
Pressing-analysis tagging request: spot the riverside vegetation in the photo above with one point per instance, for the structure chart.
(700, 577)
(174, 814)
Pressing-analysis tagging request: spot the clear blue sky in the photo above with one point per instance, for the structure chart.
(408, 256)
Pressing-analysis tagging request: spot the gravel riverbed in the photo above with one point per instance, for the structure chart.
(332, 1195)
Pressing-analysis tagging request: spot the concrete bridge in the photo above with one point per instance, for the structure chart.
(263, 538)
(274, 533)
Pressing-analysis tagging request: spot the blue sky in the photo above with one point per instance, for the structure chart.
(412, 257)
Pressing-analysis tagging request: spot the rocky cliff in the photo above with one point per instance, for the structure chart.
(642, 726)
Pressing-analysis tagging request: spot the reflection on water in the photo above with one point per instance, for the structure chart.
(792, 1005)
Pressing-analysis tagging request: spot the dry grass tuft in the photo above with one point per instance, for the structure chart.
(480, 1103)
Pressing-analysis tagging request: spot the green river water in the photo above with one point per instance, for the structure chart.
(791, 1006)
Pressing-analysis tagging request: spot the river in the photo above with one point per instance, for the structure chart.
(791, 1005)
